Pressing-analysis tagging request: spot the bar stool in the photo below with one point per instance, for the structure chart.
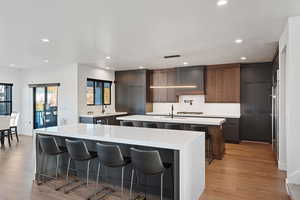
(148, 163)
(137, 124)
(173, 126)
(208, 143)
(126, 123)
(78, 151)
(49, 147)
(111, 156)
(149, 125)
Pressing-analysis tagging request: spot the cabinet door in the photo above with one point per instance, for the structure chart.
(162, 81)
(231, 130)
(211, 85)
(155, 82)
(172, 80)
(223, 84)
(231, 85)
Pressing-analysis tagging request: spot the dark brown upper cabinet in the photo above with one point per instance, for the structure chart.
(163, 78)
(168, 84)
(190, 76)
(132, 91)
(222, 83)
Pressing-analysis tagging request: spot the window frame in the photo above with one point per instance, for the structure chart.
(94, 91)
(11, 97)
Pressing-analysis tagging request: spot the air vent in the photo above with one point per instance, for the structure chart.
(172, 56)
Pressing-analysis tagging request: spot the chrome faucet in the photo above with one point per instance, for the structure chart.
(103, 109)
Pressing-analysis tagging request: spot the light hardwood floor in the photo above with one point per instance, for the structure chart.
(247, 172)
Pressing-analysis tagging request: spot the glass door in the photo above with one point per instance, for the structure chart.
(45, 106)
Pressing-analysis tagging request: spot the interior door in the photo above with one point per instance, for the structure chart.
(45, 106)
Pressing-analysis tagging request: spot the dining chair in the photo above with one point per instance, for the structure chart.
(14, 119)
(5, 129)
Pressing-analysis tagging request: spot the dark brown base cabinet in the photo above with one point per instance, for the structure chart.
(231, 130)
(111, 120)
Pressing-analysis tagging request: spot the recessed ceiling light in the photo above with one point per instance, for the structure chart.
(46, 61)
(107, 57)
(107, 68)
(45, 40)
(238, 41)
(243, 58)
(222, 2)
(12, 65)
(141, 67)
(185, 63)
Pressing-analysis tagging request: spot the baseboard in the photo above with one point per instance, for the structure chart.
(282, 166)
(293, 178)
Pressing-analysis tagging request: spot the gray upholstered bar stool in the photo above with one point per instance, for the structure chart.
(149, 125)
(111, 156)
(148, 163)
(173, 126)
(78, 151)
(49, 147)
(137, 124)
(126, 123)
(208, 143)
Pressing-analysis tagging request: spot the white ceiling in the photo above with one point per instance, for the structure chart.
(140, 32)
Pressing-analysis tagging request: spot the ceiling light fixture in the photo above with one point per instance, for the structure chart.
(141, 67)
(222, 2)
(107, 68)
(46, 40)
(185, 63)
(107, 57)
(238, 41)
(46, 61)
(243, 58)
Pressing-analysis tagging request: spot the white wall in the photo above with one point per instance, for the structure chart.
(85, 72)
(198, 105)
(282, 100)
(292, 81)
(12, 75)
(67, 76)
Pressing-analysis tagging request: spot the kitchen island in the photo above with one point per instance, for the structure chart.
(108, 118)
(214, 125)
(186, 178)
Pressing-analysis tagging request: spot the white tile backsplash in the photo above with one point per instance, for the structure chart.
(198, 105)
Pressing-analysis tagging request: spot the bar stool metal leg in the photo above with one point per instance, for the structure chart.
(41, 168)
(57, 164)
(88, 173)
(122, 182)
(131, 184)
(68, 169)
(161, 185)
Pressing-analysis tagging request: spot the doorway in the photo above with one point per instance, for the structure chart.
(45, 106)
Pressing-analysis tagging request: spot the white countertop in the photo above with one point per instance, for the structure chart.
(104, 114)
(179, 120)
(197, 115)
(160, 138)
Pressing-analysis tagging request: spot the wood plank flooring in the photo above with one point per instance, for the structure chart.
(247, 172)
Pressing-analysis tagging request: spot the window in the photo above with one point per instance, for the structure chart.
(98, 92)
(5, 99)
